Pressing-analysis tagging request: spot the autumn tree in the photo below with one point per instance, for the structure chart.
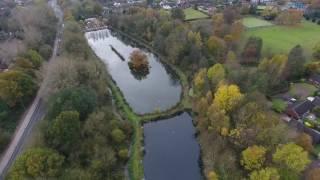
(200, 80)
(216, 73)
(217, 120)
(64, 131)
(289, 17)
(212, 176)
(276, 70)
(296, 61)
(227, 97)
(305, 141)
(253, 157)
(265, 174)
(252, 51)
(218, 24)
(138, 61)
(291, 157)
(313, 174)
(37, 163)
(217, 48)
(16, 87)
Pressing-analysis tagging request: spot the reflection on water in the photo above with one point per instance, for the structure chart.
(158, 90)
(171, 150)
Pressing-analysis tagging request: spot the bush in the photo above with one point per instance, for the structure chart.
(314, 20)
(278, 105)
(123, 154)
(318, 22)
(118, 135)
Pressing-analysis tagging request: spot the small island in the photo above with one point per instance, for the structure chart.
(138, 61)
(139, 64)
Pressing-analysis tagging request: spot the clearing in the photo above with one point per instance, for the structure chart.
(281, 39)
(252, 22)
(192, 14)
(302, 90)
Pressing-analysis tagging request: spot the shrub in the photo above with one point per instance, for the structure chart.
(278, 105)
(123, 154)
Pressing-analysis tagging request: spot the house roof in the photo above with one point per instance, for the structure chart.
(302, 107)
(315, 77)
(316, 101)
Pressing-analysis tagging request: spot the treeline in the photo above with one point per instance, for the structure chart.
(189, 46)
(34, 27)
(81, 138)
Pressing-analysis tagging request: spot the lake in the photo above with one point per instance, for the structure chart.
(157, 91)
(171, 149)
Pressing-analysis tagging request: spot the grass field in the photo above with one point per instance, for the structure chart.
(252, 22)
(280, 39)
(302, 90)
(194, 14)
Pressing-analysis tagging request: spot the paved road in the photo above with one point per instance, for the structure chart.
(34, 113)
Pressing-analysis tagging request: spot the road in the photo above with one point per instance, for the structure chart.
(35, 112)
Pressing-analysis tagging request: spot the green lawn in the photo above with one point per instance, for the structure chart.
(302, 90)
(252, 22)
(194, 14)
(280, 39)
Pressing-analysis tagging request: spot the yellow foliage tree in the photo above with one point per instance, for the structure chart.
(253, 157)
(227, 97)
(265, 174)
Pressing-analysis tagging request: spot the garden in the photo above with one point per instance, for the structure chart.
(192, 14)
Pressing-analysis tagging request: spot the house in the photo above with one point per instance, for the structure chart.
(315, 79)
(299, 110)
(3, 67)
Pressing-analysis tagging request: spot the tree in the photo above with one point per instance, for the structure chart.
(217, 48)
(276, 70)
(199, 80)
(217, 120)
(265, 174)
(313, 174)
(15, 87)
(289, 17)
(305, 141)
(177, 13)
(252, 50)
(227, 97)
(118, 136)
(218, 24)
(316, 51)
(34, 57)
(253, 157)
(138, 61)
(216, 73)
(64, 132)
(81, 99)
(291, 156)
(296, 61)
(212, 176)
(37, 163)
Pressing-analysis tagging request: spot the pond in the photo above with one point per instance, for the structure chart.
(158, 90)
(171, 149)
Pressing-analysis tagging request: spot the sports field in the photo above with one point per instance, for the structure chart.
(194, 14)
(252, 22)
(280, 39)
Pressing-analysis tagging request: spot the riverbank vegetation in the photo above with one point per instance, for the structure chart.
(31, 33)
(80, 135)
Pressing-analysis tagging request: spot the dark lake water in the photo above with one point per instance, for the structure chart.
(172, 152)
(158, 90)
